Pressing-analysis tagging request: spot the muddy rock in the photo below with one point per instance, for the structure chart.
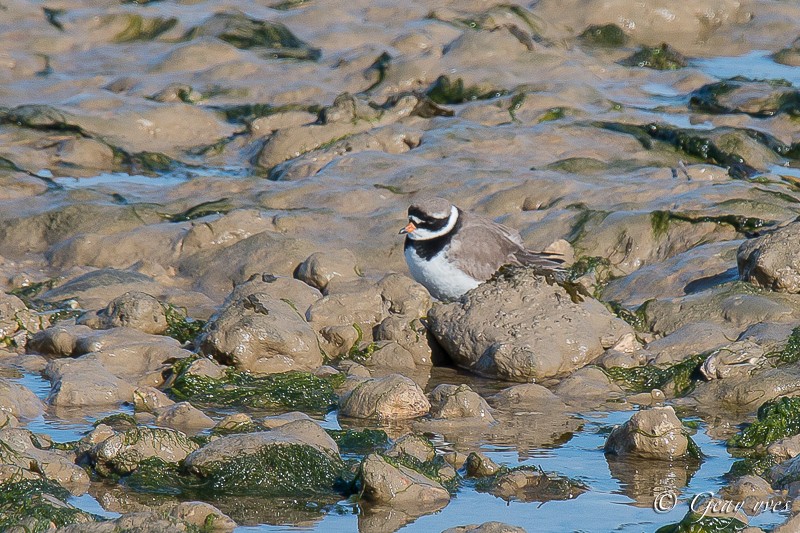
(588, 383)
(385, 483)
(414, 446)
(262, 335)
(95, 289)
(16, 320)
(323, 267)
(388, 356)
(85, 383)
(787, 448)
(691, 339)
(404, 296)
(19, 401)
(486, 527)
(459, 401)
(183, 416)
(413, 336)
(392, 397)
(135, 310)
(276, 421)
(150, 399)
(654, 433)
(143, 521)
(260, 461)
(518, 327)
(748, 392)
(528, 396)
(479, 465)
(60, 340)
(534, 485)
(772, 260)
(29, 456)
(201, 514)
(739, 358)
(294, 292)
(122, 452)
(86, 153)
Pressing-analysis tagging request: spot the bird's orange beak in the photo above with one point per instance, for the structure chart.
(408, 229)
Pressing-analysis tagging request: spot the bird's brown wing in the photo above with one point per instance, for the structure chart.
(482, 246)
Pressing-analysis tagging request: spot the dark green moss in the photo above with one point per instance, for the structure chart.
(141, 28)
(707, 98)
(791, 351)
(635, 318)
(179, 325)
(286, 469)
(155, 476)
(697, 523)
(118, 422)
(662, 57)
(605, 35)
(290, 390)
(362, 442)
(270, 39)
(746, 225)
(690, 142)
(204, 209)
(681, 377)
(446, 91)
(755, 464)
(587, 264)
(776, 419)
(430, 469)
(30, 500)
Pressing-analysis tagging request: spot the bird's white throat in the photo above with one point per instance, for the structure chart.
(422, 234)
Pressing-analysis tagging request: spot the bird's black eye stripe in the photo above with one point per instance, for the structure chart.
(424, 217)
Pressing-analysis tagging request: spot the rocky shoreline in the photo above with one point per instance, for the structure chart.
(199, 253)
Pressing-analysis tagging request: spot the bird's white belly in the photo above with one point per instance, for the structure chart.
(442, 279)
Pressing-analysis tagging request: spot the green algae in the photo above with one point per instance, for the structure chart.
(38, 504)
(290, 390)
(790, 353)
(179, 325)
(660, 221)
(141, 28)
(447, 91)
(680, 377)
(687, 141)
(431, 469)
(269, 39)
(204, 209)
(636, 318)
(117, 422)
(776, 419)
(661, 57)
(156, 476)
(605, 36)
(554, 113)
(755, 464)
(586, 265)
(697, 523)
(281, 469)
(707, 98)
(351, 441)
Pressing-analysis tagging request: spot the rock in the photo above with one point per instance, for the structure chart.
(95, 289)
(59, 340)
(486, 527)
(295, 457)
(655, 433)
(739, 358)
(772, 260)
(518, 327)
(588, 383)
(392, 397)
(85, 383)
(748, 486)
(688, 340)
(27, 456)
(404, 296)
(400, 486)
(133, 309)
(414, 446)
(748, 392)
(322, 267)
(292, 291)
(413, 336)
(389, 356)
(203, 515)
(149, 399)
(235, 423)
(528, 396)
(534, 485)
(262, 335)
(141, 521)
(183, 416)
(207, 368)
(16, 320)
(122, 452)
(786, 448)
(276, 421)
(459, 401)
(479, 465)
(86, 153)
(19, 401)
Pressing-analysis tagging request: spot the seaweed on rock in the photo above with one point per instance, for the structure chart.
(776, 419)
(38, 504)
(681, 376)
(289, 390)
(697, 523)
